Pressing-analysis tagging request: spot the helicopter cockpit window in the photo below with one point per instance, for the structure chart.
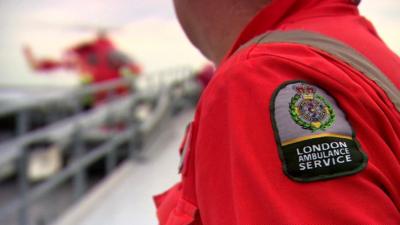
(92, 59)
(117, 59)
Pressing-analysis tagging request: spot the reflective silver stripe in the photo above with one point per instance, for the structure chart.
(337, 49)
(187, 139)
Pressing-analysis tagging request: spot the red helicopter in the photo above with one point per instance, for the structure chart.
(95, 61)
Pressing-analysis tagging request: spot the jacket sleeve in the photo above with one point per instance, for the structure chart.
(239, 176)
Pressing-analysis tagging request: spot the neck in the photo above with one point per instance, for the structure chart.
(229, 28)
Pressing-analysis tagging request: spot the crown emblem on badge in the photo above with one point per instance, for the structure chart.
(310, 110)
(307, 92)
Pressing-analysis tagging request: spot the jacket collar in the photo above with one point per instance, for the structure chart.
(280, 12)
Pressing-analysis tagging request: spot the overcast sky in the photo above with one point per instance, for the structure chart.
(148, 32)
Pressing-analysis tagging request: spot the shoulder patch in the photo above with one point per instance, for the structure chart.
(314, 138)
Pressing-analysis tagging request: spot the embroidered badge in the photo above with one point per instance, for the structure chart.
(314, 138)
(310, 110)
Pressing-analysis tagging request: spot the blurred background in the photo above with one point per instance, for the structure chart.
(94, 99)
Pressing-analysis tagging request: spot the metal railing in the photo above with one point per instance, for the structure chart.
(70, 130)
(10, 150)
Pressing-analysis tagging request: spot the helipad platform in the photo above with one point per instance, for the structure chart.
(126, 196)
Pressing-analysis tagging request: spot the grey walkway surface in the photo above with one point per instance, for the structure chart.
(126, 196)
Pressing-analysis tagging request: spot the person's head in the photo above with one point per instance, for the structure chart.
(213, 25)
(102, 33)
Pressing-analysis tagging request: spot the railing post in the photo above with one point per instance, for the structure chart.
(132, 122)
(111, 158)
(23, 186)
(77, 104)
(80, 178)
(52, 116)
(22, 122)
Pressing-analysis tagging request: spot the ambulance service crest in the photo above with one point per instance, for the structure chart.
(310, 110)
(314, 138)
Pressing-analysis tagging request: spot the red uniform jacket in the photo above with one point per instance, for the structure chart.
(236, 171)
